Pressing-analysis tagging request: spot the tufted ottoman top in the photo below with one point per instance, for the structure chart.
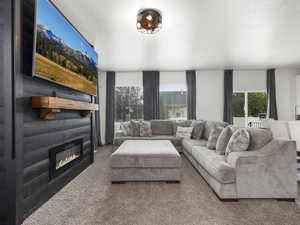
(146, 154)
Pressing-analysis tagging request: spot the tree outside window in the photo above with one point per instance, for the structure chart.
(249, 108)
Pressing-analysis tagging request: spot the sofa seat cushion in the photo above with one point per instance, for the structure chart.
(259, 138)
(214, 164)
(175, 141)
(146, 154)
(188, 144)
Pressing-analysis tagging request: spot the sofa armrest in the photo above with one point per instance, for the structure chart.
(119, 133)
(269, 172)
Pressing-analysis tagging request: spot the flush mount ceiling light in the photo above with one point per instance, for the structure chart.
(149, 21)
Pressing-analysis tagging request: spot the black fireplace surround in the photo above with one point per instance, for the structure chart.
(64, 157)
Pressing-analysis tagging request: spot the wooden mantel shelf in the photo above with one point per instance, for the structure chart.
(50, 106)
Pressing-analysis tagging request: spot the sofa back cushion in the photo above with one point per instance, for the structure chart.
(210, 125)
(259, 138)
(162, 127)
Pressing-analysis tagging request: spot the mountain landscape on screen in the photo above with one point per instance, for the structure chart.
(62, 55)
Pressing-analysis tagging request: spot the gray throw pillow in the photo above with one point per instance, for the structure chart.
(135, 128)
(239, 141)
(198, 129)
(145, 129)
(213, 137)
(224, 138)
(126, 128)
(210, 125)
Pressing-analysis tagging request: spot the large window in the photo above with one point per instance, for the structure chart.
(173, 96)
(249, 108)
(128, 97)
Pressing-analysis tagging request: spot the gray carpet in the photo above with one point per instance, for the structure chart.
(90, 199)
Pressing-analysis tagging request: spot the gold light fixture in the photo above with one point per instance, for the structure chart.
(149, 21)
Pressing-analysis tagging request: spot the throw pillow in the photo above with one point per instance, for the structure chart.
(239, 141)
(145, 129)
(181, 123)
(213, 137)
(135, 128)
(184, 132)
(210, 125)
(126, 128)
(198, 129)
(224, 138)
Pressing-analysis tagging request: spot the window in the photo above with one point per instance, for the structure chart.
(128, 97)
(249, 108)
(173, 96)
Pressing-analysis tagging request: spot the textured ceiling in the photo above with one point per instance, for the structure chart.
(196, 34)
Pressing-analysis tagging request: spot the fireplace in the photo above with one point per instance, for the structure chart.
(65, 156)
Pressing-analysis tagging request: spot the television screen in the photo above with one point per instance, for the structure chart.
(61, 54)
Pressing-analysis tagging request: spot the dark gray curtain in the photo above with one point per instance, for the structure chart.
(110, 107)
(151, 95)
(191, 94)
(97, 119)
(271, 90)
(228, 91)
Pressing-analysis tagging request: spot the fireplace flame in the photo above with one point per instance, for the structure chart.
(66, 160)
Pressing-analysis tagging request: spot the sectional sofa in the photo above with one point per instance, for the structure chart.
(266, 170)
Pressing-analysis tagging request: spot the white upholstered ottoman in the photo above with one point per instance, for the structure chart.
(145, 160)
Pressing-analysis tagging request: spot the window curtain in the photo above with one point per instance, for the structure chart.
(98, 125)
(110, 107)
(271, 90)
(151, 95)
(97, 115)
(191, 94)
(228, 92)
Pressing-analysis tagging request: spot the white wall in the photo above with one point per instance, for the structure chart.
(210, 92)
(102, 101)
(298, 90)
(286, 93)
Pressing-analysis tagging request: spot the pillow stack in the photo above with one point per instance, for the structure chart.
(228, 139)
(224, 138)
(137, 128)
(189, 129)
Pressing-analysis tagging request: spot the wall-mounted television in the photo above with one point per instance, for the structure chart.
(61, 54)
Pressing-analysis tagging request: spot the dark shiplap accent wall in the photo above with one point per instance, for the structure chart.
(38, 136)
(7, 168)
(25, 139)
